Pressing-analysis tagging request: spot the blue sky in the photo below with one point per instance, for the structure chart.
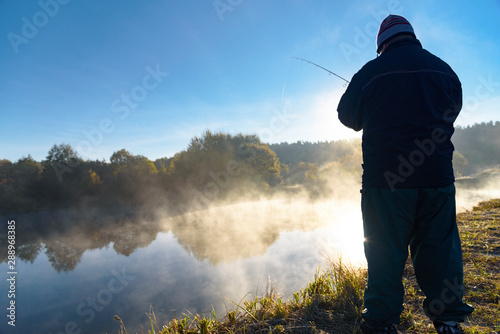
(148, 76)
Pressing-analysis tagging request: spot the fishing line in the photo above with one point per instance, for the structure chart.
(283, 94)
(284, 87)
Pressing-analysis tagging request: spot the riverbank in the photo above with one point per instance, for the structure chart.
(332, 302)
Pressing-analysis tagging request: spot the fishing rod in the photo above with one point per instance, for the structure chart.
(310, 62)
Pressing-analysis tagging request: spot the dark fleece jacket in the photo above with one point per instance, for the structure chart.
(405, 101)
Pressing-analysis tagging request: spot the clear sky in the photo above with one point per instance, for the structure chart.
(147, 76)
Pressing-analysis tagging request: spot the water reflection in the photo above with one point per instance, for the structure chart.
(83, 268)
(64, 237)
(218, 234)
(242, 230)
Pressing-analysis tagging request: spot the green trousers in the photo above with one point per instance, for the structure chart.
(424, 220)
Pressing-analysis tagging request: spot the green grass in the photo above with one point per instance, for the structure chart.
(332, 302)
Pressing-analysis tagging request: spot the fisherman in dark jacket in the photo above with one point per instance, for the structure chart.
(406, 101)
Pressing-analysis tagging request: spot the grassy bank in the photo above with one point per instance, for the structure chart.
(332, 302)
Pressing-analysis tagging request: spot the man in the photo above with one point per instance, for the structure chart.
(406, 101)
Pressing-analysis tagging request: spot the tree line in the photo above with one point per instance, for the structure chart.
(477, 147)
(213, 167)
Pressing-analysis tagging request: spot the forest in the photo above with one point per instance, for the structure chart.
(214, 167)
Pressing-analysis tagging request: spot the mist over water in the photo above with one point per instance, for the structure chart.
(90, 265)
(482, 187)
(196, 261)
(225, 233)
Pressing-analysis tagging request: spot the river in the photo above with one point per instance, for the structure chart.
(76, 270)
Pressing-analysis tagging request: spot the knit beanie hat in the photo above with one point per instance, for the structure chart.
(391, 26)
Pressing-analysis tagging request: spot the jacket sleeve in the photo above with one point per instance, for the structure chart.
(349, 108)
(456, 100)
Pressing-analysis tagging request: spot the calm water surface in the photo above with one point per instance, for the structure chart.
(76, 271)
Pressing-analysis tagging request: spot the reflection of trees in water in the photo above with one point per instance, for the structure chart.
(65, 237)
(219, 240)
(62, 256)
(29, 252)
(240, 230)
(134, 236)
(218, 234)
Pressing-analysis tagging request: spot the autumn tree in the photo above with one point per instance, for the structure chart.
(7, 189)
(264, 163)
(216, 164)
(61, 162)
(6, 172)
(133, 176)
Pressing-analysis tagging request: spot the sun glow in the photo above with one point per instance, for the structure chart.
(343, 235)
(324, 117)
